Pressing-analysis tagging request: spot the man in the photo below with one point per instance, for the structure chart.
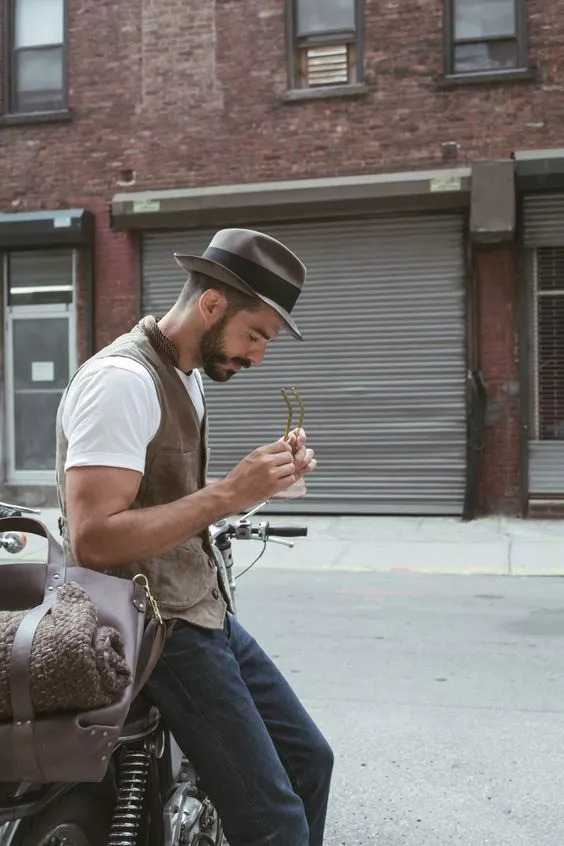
(131, 444)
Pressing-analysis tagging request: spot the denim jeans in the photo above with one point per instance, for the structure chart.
(259, 755)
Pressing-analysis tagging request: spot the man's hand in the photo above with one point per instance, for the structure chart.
(305, 462)
(264, 473)
(304, 457)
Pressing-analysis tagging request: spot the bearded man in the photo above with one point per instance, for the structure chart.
(131, 469)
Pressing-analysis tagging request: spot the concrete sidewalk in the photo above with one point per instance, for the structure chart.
(495, 545)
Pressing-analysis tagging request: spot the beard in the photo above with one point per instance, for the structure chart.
(213, 354)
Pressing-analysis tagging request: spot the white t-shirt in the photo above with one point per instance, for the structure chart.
(112, 412)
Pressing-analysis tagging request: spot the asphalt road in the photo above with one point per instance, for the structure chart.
(442, 696)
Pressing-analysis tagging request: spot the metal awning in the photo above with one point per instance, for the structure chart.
(34, 230)
(293, 199)
(538, 170)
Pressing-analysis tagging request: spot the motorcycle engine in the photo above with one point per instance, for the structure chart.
(188, 819)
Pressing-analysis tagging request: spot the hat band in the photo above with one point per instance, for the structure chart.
(263, 281)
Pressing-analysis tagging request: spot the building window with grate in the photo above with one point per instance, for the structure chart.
(36, 57)
(549, 343)
(325, 45)
(482, 37)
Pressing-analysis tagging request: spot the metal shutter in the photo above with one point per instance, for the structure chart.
(543, 220)
(381, 371)
(543, 230)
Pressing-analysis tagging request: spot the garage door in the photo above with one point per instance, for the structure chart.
(381, 370)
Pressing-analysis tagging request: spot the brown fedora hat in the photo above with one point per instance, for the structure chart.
(254, 263)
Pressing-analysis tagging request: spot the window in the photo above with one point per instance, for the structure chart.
(39, 356)
(40, 278)
(484, 37)
(324, 43)
(36, 55)
(549, 343)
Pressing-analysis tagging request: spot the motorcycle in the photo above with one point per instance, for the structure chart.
(151, 794)
(14, 542)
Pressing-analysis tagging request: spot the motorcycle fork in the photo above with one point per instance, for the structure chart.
(224, 548)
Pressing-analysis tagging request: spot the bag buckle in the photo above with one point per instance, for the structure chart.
(143, 582)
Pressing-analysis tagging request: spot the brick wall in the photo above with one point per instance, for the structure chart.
(190, 92)
(500, 477)
(117, 282)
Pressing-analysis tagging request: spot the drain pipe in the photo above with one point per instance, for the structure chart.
(476, 432)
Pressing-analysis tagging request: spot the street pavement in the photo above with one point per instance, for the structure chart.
(443, 699)
(492, 545)
(437, 679)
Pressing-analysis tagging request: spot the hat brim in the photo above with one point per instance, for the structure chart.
(223, 274)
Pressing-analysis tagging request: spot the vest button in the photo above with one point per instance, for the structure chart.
(215, 593)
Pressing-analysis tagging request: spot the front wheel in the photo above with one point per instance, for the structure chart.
(82, 817)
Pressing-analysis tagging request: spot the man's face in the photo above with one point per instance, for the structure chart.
(237, 342)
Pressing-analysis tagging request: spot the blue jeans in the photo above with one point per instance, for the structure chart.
(260, 757)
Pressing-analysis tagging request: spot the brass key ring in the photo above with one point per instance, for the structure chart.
(143, 581)
(288, 402)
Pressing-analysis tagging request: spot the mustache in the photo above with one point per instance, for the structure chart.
(243, 362)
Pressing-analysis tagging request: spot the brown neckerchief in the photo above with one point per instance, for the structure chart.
(150, 327)
(159, 340)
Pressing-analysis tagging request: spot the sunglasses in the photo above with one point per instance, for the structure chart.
(288, 402)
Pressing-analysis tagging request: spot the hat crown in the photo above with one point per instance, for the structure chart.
(256, 264)
(262, 250)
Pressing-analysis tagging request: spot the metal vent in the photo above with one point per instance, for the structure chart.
(550, 342)
(543, 219)
(327, 65)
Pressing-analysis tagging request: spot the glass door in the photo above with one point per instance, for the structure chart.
(40, 345)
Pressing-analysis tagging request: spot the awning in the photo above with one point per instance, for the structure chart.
(538, 170)
(293, 199)
(33, 230)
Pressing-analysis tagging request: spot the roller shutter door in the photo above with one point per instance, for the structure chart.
(382, 369)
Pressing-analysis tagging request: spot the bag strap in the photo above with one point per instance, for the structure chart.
(55, 556)
(20, 689)
(20, 658)
(149, 653)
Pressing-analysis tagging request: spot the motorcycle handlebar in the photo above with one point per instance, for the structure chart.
(9, 512)
(286, 531)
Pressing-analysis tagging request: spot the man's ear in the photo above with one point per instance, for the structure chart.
(212, 306)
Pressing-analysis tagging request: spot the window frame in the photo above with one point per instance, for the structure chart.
(10, 70)
(450, 43)
(32, 311)
(295, 45)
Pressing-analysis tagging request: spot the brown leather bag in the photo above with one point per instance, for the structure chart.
(67, 746)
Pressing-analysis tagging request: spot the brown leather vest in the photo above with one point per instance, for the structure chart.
(184, 580)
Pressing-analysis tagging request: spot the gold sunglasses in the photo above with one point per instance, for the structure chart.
(288, 402)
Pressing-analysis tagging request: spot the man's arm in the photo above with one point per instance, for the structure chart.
(106, 532)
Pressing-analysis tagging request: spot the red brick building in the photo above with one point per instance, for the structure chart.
(409, 151)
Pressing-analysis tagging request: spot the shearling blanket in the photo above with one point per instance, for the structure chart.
(76, 664)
